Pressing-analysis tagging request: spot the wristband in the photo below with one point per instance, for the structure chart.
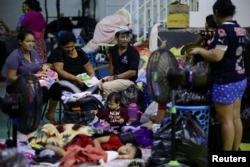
(115, 77)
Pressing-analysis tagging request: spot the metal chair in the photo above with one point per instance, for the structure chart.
(66, 85)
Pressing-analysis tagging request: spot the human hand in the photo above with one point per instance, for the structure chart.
(195, 51)
(41, 76)
(121, 121)
(109, 78)
(79, 81)
(94, 112)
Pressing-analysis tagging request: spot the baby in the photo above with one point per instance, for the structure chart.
(52, 75)
(115, 115)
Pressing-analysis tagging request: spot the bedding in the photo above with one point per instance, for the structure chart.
(146, 154)
(59, 135)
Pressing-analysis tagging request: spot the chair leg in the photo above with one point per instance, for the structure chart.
(60, 112)
(44, 110)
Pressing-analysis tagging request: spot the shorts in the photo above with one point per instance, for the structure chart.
(228, 93)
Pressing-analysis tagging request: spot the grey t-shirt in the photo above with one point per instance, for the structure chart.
(17, 61)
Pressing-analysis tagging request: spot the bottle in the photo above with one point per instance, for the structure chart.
(133, 112)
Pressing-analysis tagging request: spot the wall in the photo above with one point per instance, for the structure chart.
(10, 13)
(197, 19)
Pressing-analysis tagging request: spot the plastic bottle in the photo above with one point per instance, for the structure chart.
(133, 112)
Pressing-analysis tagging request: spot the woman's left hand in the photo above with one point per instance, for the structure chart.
(195, 51)
(41, 76)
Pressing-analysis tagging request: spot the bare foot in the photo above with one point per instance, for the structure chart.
(51, 118)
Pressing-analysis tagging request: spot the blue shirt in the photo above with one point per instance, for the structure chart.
(20, 20)
(229, 37)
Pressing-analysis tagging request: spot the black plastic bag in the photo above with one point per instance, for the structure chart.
(191, 98)
(202, 76)
(84, 115)
(132, 95)
(191, 142)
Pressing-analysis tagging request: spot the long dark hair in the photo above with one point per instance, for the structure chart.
(23, 33)
(34, 5)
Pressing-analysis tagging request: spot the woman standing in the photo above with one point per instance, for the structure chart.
(225, 54)
(24, 10)
(35, 22)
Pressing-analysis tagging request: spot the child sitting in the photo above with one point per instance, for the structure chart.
(115, 115)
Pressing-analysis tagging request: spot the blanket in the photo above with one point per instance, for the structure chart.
(59, 135)
(77, 155)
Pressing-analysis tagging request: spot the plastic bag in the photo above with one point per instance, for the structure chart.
(132, 95)
(192, 98)
(191, 142)
(11, 157)
(151, 109)
(202, 76)
(102, 125)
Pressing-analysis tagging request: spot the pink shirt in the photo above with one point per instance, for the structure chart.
(34, 21)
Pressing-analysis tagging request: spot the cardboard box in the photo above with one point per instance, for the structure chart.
(178, 15)
(177, 7)
(179, 20)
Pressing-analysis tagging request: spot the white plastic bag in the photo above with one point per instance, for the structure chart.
(151, 110)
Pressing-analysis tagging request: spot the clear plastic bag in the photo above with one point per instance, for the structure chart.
(12, 157)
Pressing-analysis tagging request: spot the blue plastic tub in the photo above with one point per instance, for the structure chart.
(91, 55)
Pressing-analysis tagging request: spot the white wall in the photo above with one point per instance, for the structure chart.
(197, 19)
(10, 10)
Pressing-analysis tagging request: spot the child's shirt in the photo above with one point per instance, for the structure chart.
(113, 116)
(207, 37)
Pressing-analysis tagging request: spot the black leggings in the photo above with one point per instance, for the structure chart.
(55, 91)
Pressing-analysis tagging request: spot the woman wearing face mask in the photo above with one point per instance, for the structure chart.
(68, 61)
(24, 59)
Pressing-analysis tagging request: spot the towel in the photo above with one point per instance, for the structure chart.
(76, 155)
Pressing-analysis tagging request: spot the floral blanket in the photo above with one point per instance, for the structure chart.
(59, 135)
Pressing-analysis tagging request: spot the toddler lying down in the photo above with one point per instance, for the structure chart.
(108, 142)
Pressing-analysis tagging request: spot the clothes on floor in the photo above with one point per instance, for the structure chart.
(82, 140)
(76, 155)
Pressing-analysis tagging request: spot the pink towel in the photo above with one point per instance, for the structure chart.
(76, 155)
